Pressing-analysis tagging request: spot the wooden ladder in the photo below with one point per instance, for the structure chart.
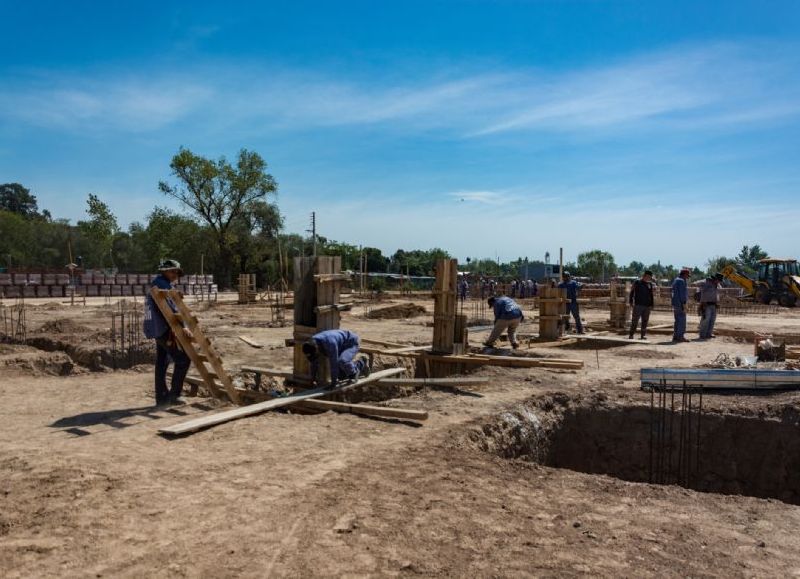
(199, 348)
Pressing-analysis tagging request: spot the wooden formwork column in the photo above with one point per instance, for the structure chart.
(551, 312)
(317, 282)
(618, 304)
(446, 340)
(444, 308)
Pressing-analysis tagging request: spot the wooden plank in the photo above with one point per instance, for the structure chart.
(609, 339)
(370, 350)
(331, 277)
(244, 411)
(333, 307)
(250, 342)
(455, 381)
(507, 361)
(366, 410)
(384, 344)
(281, 373)
(406, 349)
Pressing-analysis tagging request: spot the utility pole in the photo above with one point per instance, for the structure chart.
(313, 231)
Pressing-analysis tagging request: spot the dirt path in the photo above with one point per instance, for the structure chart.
(88, 488)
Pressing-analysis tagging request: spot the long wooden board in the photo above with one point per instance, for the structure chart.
(508, 361)
(236, 413)
(435, 382)
(365, 410)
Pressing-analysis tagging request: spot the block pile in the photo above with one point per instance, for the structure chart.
(56, 285)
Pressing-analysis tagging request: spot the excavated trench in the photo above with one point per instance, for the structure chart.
(726, 453)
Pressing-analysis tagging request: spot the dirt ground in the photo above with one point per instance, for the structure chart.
(87, 487)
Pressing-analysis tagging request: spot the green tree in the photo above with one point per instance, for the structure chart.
(749, 257)
(18, 199)
(218, 193)
(99, 231)
(597, 264)
(717, 263)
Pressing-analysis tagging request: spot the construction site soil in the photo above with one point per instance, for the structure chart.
(540, 472)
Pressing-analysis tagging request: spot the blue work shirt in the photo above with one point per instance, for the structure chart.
(572, 288)
(680, 292)
(332, 343)
(506, 309)
(155, 326)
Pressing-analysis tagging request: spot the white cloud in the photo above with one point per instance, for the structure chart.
(702, 86)
(485, 197)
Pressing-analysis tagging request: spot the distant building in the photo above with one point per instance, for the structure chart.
(539, 271)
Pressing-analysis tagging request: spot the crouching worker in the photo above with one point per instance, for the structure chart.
(507, 317)
(167, 347)
(340, 348)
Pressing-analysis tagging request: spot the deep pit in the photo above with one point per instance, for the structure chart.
(732, 454)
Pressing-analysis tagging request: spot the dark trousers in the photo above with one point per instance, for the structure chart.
(572, 308)
(167, 349)
(642, 312)
(347, 367)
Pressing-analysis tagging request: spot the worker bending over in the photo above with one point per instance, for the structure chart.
(340, 348)
(507, 317)
(572, 287)
(680, 295)
(709, 300)
(642, 298)
(167, 346)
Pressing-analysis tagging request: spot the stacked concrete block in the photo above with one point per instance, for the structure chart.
(91, 291)
(49, 279)
(34, 279)
(126, 290)
(5, 279)
(42, 291)
(57, 291)
(105, 290)
(116, 290)
(12, 291)
(62, 279)
(20, 279)
(28, 291)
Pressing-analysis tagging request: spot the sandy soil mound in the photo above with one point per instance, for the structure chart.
(63, 326)
(397, 312)
(32, 362)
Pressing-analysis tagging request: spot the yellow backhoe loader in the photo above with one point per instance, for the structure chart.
(778, 279)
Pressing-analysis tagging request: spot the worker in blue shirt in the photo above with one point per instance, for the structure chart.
(572, 287)
(340, 348)
(507, 317)
(167, 346)
(680, 298)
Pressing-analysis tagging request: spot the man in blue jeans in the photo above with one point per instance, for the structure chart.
(167, 347)
(572, 287)
(680, 298)
(507, 317)
(340, 347)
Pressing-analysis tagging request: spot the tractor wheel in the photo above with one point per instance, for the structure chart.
(763, 295)
(787, 300)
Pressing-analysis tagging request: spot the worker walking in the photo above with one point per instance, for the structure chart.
(709, 301)
(572, 287)
(167, 347)
(642, 300)
(507, 317)
(680, 297)
(340, 347)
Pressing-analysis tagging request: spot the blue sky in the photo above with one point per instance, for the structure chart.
(656, 130)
